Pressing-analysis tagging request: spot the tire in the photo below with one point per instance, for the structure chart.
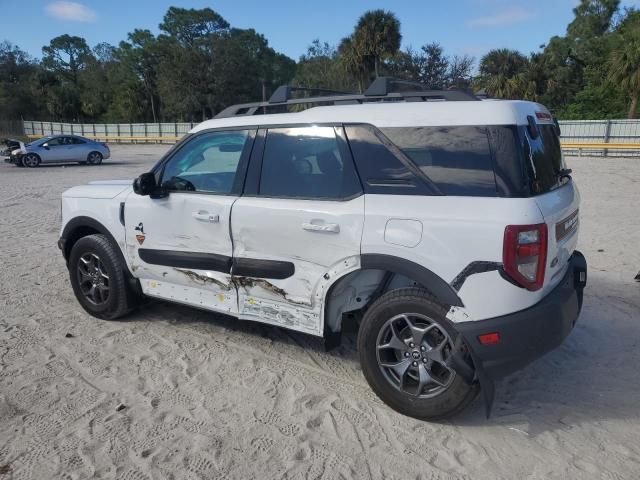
(18, 163)
(418, 395)
(94, 158)
(96, 251)
(30, 160)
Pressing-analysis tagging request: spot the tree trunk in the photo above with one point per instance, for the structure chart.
(153, 107)
(634, 105)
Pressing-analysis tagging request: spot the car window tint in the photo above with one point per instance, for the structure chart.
(381, 171)
(54, 141)
(306, 162)
(457, 159)
(207, 163)
(77, 141)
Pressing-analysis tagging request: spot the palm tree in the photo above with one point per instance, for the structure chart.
(624, 68)
(377, 37)
(502, 73)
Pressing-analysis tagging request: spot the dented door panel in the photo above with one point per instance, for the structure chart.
(276, 229)
(164, 240)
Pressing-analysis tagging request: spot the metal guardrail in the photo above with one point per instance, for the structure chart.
(598, 137)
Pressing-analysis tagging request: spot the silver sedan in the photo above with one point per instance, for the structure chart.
(62, 149)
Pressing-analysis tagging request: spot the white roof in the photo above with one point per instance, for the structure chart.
(395, 114)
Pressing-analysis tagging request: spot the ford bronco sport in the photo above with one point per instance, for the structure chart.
(445, 224)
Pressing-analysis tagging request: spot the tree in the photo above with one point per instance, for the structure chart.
(375, 38)
(624, 68)
(435, 67)
(501, 73)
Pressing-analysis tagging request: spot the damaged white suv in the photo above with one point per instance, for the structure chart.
(445, 225)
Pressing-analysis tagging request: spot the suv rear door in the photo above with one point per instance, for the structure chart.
(299, 221)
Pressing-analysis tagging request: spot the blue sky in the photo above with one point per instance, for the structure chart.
(463, 27)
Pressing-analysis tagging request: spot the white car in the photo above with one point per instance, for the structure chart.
(446, 228)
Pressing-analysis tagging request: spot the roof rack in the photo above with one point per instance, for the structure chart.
(382, 89)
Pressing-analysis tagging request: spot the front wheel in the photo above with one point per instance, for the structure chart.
(94, 158)
(405, 344)
(98, 278)
(31, 160)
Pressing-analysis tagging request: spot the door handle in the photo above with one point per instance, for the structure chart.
(321, 227)
(206, 217)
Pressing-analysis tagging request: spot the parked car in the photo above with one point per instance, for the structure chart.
(61, 149)
(447, 228)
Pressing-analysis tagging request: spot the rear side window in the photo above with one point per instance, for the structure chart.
(457, 159)
(306, 162)
(381, 170)
(543, 159)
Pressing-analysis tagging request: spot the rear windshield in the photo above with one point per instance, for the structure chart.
(457, 159)
(542, 159)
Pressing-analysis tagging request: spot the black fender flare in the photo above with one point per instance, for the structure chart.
(73, 230)
(422, 275)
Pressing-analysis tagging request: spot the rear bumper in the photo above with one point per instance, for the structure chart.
(530, 333)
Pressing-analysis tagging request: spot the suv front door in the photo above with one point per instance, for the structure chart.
(179, 245)
(297, 226)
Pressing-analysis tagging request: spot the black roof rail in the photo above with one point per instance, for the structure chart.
(283, 92)
(380, 90)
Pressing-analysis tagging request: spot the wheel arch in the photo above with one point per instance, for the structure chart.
(387, 267)
(79, 227)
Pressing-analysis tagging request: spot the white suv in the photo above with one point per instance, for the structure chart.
(446, 228)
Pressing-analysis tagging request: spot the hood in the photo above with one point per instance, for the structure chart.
(104, 189)
(112, 182)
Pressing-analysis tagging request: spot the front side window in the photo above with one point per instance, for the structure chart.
(207, 163)
(54, 142)
(306, 162)
(457, 159)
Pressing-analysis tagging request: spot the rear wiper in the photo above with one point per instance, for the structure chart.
(564, 173)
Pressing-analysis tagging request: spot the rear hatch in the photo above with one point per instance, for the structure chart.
(554, 191)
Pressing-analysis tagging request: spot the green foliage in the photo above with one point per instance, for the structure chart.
(199, 64)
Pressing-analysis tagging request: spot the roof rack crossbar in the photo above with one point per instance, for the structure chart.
(283, 93)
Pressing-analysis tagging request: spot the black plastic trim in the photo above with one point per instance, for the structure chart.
(257, 268)
(177, 259)
(69, 234)
(425, 277)
(471, 269)
(530, 333)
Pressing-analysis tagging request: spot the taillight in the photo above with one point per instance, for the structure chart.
(105, 145)
(524, 254)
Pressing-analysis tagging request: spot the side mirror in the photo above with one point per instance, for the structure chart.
(145, 184)
(45, 146)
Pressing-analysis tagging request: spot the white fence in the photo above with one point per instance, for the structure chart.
(577, 135)
(119, 132)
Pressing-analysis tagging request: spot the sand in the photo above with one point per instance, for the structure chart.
(175, 393)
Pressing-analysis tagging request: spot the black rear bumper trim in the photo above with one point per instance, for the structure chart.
(529, 334)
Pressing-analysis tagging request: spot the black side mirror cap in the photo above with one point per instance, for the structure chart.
(145, 184)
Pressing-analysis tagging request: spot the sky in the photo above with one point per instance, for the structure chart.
(469, 27)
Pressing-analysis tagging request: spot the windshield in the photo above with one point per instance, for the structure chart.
(543, 159)
(40, 141)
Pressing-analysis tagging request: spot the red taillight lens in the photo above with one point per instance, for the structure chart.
(524, 254)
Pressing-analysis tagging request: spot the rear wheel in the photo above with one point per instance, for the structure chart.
(94, 158)
(98, 278)
(405, 343)
(31, 160)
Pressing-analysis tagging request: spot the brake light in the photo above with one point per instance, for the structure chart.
(105, 145)
(524, 254)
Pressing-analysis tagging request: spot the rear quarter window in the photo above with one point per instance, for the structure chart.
(457, 159)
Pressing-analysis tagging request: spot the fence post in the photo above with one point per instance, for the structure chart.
(82, 129)
(607, 135)
(41, 128)
(146, 134)
(131, 133)
(160, 132)
(51, 128)
(72, 129)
